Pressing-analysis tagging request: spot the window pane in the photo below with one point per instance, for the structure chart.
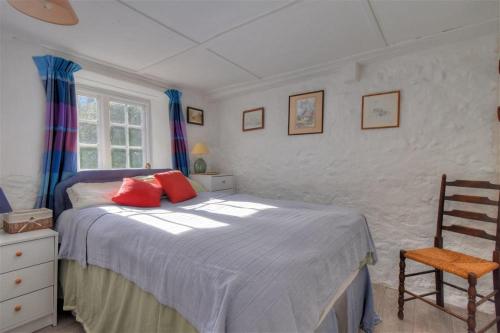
(87, 108)
(135, 137)
(88, 158)
(117, 113)
(87, 133)
(134, 114)
(135, 158)
(118, 158)
(118, 136)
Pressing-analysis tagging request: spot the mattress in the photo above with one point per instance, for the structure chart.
(236, 263)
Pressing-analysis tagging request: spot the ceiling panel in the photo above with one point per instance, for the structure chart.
(303, 35)
(108, 31)
(404, 20)
(201, 20)
(200, 69)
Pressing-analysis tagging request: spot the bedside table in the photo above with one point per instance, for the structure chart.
(28, 280)
(216, 183)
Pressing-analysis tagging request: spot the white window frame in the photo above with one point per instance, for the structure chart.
(104, 97)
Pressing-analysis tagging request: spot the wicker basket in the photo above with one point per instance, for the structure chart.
(27, 220)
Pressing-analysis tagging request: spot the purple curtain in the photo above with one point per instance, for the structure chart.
(180, 156)
(59, 157)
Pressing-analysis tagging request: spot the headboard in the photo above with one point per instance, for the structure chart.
(61, 199)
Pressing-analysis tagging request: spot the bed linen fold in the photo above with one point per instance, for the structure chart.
(234, 263)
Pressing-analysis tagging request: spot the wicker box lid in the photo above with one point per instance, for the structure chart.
(27, 215)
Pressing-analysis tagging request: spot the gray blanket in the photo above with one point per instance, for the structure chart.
(235, 263)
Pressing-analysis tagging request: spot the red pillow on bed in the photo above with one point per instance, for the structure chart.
(138, 193)
(176, 186)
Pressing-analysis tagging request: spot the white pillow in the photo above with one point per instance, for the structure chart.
(92, 194)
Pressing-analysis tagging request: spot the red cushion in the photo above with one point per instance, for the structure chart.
(176, 186)
(135, 192)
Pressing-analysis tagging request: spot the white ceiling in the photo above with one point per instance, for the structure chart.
(404, 20)
(308, 33)
(209, 44)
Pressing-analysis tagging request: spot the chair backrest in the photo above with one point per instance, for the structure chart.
(472, 199)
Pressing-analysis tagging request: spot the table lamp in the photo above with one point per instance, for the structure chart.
(200, 166)
(4, 203)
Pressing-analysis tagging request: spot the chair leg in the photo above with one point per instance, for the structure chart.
(401, 300)
(496, 286)
(471, 305)
(439, 288)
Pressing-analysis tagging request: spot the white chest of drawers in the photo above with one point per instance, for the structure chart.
(216, 183)
(28, 280)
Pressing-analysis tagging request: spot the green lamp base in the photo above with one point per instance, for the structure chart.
(200, 166)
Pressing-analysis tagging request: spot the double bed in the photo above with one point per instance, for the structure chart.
(215, 263)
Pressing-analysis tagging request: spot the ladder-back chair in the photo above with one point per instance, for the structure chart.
(465, 266)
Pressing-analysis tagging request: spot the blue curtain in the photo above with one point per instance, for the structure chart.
(60, 143)
(180, 156)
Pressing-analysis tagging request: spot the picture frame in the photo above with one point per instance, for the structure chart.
(194, 116)
(381, 110)
(252, 119)
(305, 113)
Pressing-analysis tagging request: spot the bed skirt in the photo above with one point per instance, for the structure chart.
(104, 301)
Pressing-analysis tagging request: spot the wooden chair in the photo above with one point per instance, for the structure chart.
(465, 266)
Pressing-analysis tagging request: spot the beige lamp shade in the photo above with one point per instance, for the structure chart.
(199, 149)
(51, 11)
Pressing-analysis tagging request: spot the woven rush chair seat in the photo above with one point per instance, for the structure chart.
(452, 262)
(468, 267)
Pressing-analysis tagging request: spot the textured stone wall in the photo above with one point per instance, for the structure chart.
(448, 103)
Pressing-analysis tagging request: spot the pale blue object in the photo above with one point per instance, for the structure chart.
(4, 203)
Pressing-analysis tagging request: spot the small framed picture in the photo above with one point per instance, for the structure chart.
(194, 116)
(380, 110)
(305, 113)
(253, 119)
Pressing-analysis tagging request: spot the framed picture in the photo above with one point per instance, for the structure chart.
(380, 110)
(253, 119)
(194, 116)
(305, 113)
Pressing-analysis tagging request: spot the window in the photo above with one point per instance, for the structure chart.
(111, 132)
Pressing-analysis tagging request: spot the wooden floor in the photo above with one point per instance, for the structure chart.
(419, 317)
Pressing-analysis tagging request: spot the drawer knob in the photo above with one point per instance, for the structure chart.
(17, 307)
(223, 182)
(19, 253)
(18, 280)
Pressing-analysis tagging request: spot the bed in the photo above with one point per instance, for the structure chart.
(215, 263)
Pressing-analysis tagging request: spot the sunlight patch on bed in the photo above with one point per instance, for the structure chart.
(247, 204)
(166, 220)
(111, 209)
(231, 208)
(173, 228)
(211, 201)
(191, 220)
(128, 211)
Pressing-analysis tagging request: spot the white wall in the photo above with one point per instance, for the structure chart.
(208, 133)
(23, 105)
(1, 90)
(22, 111)
(448, 103)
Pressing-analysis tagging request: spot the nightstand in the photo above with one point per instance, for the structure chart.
(216, 183)
(28, 280)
